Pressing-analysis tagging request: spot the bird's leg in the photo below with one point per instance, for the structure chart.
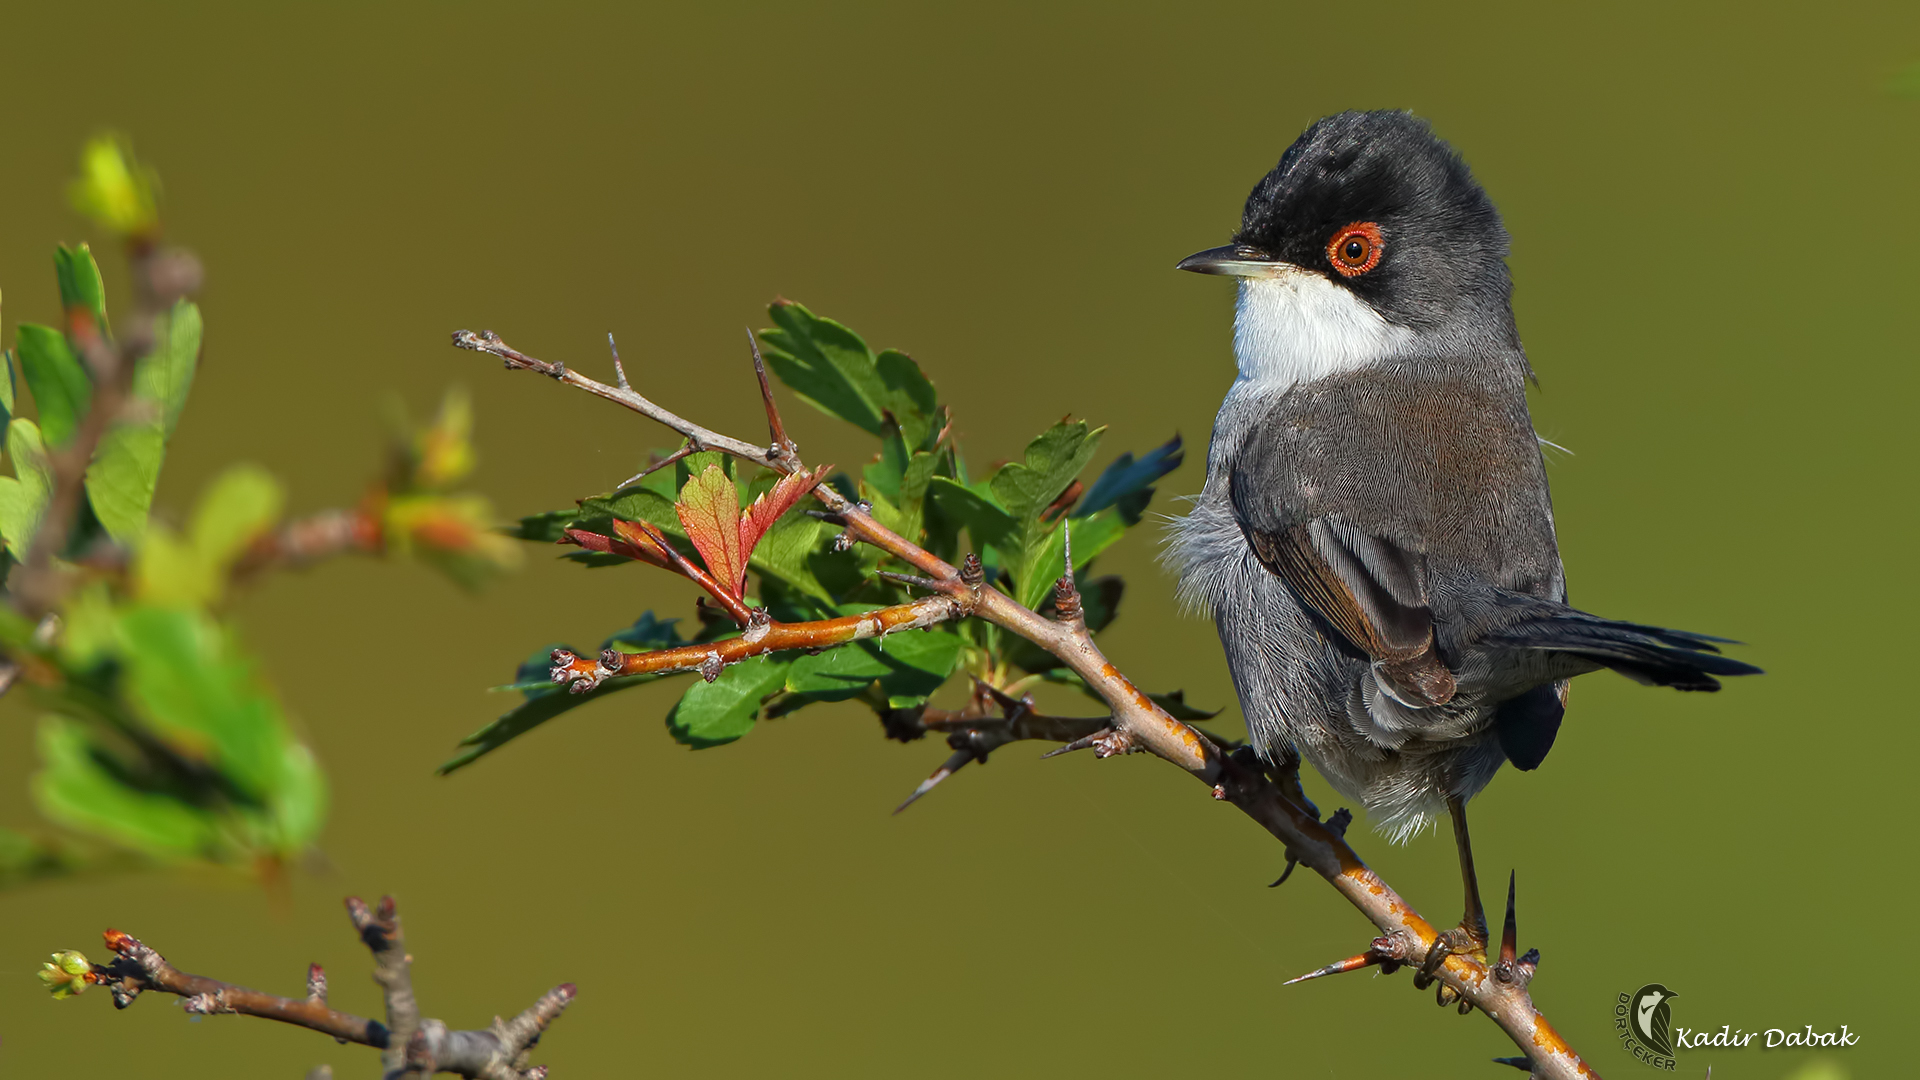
(1470, 937)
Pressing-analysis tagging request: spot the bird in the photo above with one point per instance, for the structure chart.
(1375, 537)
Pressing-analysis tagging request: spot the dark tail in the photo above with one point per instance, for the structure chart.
(1647, 654)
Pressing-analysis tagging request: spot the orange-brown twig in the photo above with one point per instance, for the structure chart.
(1137, 724)
(762, 636)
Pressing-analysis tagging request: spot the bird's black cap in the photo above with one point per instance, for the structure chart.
(1427, 249)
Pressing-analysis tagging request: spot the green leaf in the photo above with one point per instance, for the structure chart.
(795, 551)
(24, 496)
(7, 392)
(298, 802)
(645, 635)
(80, 284)
(61, 389)
(826, 364)
(718, 712)
(186, 678)
(1126, 483)
(239, 507)
(1025, 488)
(76, 789)
(1043, 563)
(836, 674)
(831, 368)
(122, 477)
(986, 523)
(921, 661)
(165, 375)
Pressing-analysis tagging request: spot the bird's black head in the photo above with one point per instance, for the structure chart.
(1379, 205)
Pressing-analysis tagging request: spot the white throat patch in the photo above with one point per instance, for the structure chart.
(1296, 326)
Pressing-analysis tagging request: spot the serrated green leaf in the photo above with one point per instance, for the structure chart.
(907, 384)
(165, 375)
(61, 389)
(1025, 488)
(122, 477)
(24, 495)
(75, 789)
(827, 365)
(80, 284)
(921, 661)
(795, 551)
(718, 712)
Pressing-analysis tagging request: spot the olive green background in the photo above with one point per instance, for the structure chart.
(1716, 273)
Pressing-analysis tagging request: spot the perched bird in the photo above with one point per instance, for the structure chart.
(1375, 539)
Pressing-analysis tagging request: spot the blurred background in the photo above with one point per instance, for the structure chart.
(1713, 248)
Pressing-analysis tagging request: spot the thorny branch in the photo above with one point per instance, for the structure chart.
(410, 1046)
(1136, 725)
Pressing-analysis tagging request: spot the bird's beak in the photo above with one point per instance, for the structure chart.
(1234, 260)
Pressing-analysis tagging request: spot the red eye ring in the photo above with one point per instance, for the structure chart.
(1355, 249)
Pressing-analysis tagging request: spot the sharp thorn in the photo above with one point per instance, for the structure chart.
(910, 579)
(1510, 934)
(1285, 874)
(1339, 967)
(618, 371)
(1517, 1062)
(782, 446)
(954, 764)
(1077, 744)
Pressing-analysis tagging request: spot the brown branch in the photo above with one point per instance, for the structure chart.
(409, 1044)
(311, 539)
(1137, 725)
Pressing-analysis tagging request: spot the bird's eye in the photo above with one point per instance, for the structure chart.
(1355, 249)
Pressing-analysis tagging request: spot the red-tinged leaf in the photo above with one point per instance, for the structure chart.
(755, 520)
(637, 536)
(646, 551)
(709, 509)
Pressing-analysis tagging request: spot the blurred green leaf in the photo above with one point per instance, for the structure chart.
(165, 376)
(122, 477)
(8, 405)
(113, 189)
(718, 712)
(80, 284)
(186, 679)
(61, 389)
(76, 789)
(1125, 484)
(24, 495)
(239, 506)
(298, 802)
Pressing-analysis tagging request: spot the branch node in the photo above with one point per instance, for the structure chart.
(316, 984)
(972, 574)
(711, 667)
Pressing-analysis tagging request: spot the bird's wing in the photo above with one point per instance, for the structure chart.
(1368, 590)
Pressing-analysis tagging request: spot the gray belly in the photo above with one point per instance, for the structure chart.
(1298, 690)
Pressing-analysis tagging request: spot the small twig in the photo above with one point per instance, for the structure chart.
(723, 596)
(409, 1044)
(392, 969)
(618, 371)
(688, 447)
(783, 448)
